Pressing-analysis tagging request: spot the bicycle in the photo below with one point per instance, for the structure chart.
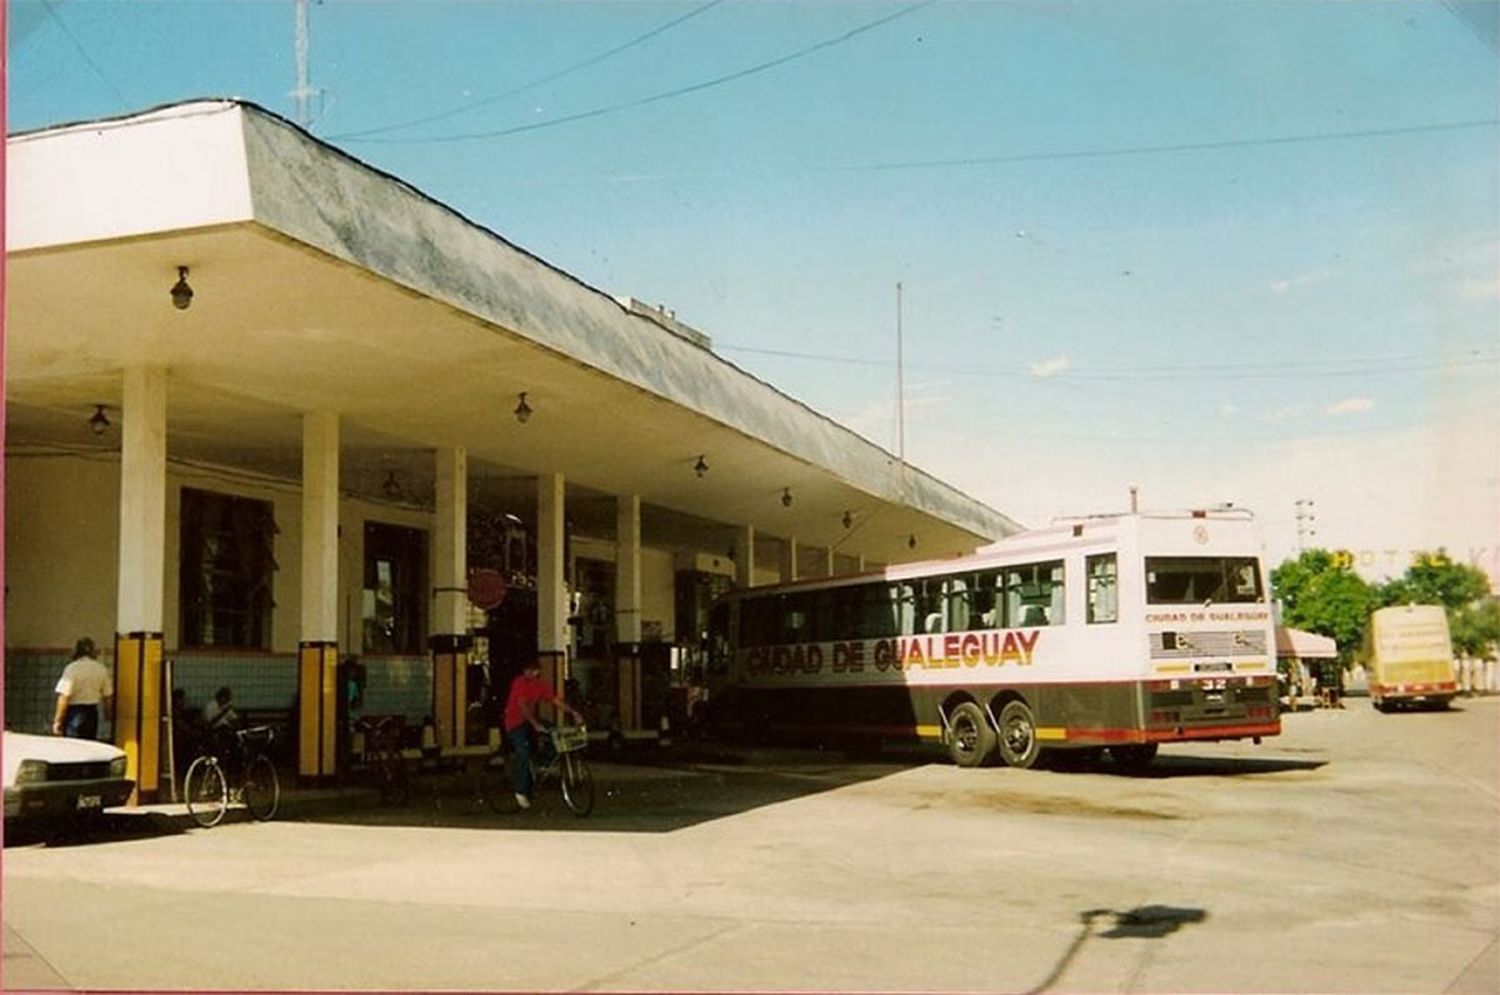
(566, 764)
(207, 784)
(383, 743)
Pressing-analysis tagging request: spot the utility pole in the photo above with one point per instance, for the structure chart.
(1305, 519)
(301, 95)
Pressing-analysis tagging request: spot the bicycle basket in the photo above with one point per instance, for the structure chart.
(257, 737)
(569, 738)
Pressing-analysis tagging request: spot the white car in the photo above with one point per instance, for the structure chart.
(55, 775)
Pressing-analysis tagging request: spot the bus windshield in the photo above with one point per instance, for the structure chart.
(1186, 580)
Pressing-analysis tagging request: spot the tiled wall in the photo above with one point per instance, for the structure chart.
(398, 685)
(30, 677)
(261, 682)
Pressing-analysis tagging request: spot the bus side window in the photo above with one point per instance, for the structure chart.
(1103, 593)
(879, 611)
(796, 621)
(905, 593)
(1034, 594)
(1015, 581)
(985, 604)
(1056, 591)
(846, 609)
(956, 595)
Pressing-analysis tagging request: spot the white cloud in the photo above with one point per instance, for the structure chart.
(1351, 405)
(1301, 280)
(1285, 413)
(1049, 367)
(1229, 410)
(1480, 290)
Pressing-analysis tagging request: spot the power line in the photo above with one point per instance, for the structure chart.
(1327, 136)
(1228, 143)
(575, 67)
(1312, 368)
(667, 95)
(82, 51)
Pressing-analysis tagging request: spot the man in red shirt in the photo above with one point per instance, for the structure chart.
(526, 692)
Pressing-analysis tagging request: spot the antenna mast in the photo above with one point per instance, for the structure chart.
(1305, 519)
(900, 387)
(304, 91)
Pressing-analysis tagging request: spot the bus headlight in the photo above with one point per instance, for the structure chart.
(118, 766)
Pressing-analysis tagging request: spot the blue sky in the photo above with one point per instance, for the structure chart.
(1230, 251)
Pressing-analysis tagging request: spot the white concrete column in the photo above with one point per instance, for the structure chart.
(628, 568)
(789, 560)
(143, 502)
(450, 543)
(552, 594)
(317, 650)
(828, 562)
(320, 527)
(136, 725)
(859, 563)
(744, 564)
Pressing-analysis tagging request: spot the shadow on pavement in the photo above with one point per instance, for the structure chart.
(107, 827)
(655, 793)
(1172, 766)
(1150, 922)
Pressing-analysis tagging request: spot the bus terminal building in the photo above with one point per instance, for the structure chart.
(268, 408)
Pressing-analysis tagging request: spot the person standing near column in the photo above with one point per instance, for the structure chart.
(83, 691)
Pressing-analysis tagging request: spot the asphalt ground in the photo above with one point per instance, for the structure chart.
(1355, 853)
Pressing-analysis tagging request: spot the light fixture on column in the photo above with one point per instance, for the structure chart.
(786, 497)
(523, 410)
(911, 541)
(848, 519)
(182, 294)
(700, 467)
(99, 421)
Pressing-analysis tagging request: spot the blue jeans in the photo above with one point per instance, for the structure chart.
(81, 722)
(520, 745)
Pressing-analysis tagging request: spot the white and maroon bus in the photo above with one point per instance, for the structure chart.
(1117, 632)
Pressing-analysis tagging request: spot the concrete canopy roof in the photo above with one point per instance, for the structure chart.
(324, 284)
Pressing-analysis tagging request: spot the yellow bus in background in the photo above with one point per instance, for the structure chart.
(1410, 657)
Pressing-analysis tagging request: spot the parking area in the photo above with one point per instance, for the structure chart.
(1352, 854)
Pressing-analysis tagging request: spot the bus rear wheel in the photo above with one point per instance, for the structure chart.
(1018, 742)
(970, 738)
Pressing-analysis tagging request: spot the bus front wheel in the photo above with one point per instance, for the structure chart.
(970, 738)
(1018, 742)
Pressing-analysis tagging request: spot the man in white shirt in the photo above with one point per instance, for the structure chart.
(84, 690)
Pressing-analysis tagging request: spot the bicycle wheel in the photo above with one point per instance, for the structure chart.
(262, 790)
(206, 792)
(395, 787)
(577, 784)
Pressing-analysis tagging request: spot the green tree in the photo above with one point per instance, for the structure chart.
(1434, 579)
(1320, 592)
(1476, 629)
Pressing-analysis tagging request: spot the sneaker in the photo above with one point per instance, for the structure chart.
(522, 801)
